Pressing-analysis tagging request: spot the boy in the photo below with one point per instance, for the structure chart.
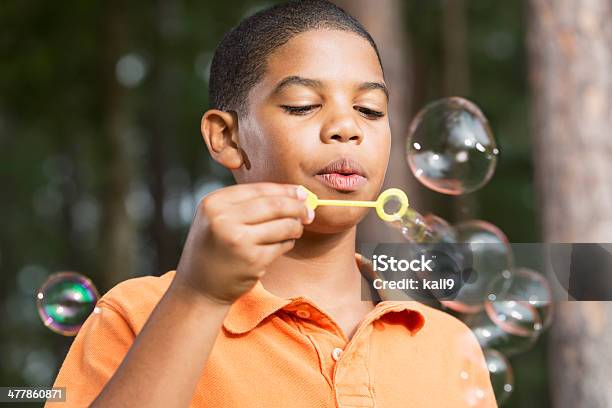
(264, 308)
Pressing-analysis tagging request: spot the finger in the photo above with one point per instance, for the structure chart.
(264, 209)
(243, 192)
(275, 231)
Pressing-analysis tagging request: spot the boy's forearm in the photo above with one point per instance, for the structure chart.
(166, 360)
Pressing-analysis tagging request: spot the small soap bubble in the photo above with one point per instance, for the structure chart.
(65, 301)
(492, 260)
(438, 230)
(450, 147)
(528, 293)
(470, 374)
(474, 397)
(490, 334)
(428, 229)
(500, 372)
(518, 318)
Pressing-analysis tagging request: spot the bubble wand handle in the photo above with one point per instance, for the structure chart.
(348, 203)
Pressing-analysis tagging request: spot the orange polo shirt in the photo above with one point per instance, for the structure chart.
(274, 352)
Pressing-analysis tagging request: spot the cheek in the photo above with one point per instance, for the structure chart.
(379, 149)
(291, 141)
(279, 148)
(387, 141)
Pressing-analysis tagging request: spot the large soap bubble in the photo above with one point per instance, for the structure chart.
(450, 147)
(65, 301)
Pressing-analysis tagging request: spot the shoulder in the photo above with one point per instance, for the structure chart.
(443, 340)
(134, 299)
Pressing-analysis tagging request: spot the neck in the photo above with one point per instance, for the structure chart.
(320, 266)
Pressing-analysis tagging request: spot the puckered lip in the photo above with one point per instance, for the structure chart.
(345, 166)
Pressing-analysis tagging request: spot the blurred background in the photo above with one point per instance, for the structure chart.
(102, 162)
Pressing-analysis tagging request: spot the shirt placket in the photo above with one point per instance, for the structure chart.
(323, 334)
(351, 377)
(343, 364)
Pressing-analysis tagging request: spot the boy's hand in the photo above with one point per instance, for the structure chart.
(236, 233)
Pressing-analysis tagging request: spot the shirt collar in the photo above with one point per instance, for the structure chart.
(257, 304)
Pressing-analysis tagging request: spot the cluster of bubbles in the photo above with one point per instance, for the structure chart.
(450, 149)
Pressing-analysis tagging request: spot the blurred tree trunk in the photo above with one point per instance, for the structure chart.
(457, 81)
(161, 124)
(384, 20)
(570, 44)
(455, 38)
(119, 234)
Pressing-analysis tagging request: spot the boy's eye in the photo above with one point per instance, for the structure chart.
(298, 110)
(369, 113)
(304, 110)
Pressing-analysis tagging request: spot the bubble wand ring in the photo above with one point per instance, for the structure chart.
(313, 202)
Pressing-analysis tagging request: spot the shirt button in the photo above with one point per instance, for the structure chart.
(336, 353)
(304, 314)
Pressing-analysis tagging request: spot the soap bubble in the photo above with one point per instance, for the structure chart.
(420, 229)
(519, 318)
(437, 230)
(528, 293)
(474, 397)
(491, 335)
(500, 372)
(470, 375)
(450, 147)
(65, 300)
(492, 261)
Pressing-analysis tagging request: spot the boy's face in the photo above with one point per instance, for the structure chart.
(335, 108)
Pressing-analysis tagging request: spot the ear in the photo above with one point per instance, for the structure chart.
(220, 132)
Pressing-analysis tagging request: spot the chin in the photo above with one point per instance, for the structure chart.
(328, 229)
(330, 220)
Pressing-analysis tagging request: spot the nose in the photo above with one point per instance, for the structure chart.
(341, 128)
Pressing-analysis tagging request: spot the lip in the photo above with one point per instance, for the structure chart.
(341, 182)
(343, 174)
(343, 165)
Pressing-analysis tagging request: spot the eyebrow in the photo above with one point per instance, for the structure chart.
(374, 85)
(315, 83)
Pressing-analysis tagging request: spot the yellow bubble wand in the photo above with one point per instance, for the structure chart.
(313, 202)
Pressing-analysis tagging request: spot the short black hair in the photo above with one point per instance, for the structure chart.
(240, 59)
